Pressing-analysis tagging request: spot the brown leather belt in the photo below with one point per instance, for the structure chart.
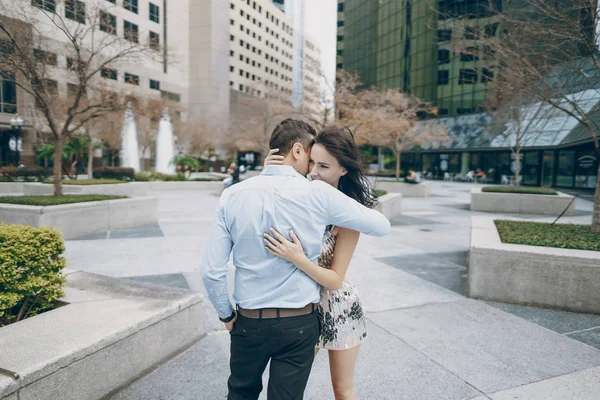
(264, 313)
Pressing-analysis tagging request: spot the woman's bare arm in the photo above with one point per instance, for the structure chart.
(293, 252)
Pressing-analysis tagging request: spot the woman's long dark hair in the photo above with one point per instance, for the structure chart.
(339, 142)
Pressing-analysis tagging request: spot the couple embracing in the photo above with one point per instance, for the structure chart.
(292, 239)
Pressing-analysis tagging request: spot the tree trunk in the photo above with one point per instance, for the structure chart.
(596, 216)
(398, 166)
(517, 167)
(90, 165)
(58, 166)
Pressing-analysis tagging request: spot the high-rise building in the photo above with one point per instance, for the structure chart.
(408, 45)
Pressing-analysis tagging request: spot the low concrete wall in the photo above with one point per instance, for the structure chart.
(11, 187)
(110, 332)
(123, 189)
(529, 275)
(422, 189)
(80, 219)
(390, 205)
(521, 203)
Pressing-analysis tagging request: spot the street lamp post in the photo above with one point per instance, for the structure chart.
(16, 141)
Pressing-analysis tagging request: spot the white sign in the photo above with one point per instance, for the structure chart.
(513, 166)
(12, 144)
(20, 145)
(444, 165)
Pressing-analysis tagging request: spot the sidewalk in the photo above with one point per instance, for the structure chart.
(426, 339)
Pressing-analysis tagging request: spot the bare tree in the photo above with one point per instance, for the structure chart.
(37, 33)
(551, 49)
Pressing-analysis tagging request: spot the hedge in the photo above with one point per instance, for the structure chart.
(56, 200)
(31, 265)
(148, 176)
(28, 174)
(519, 190)
(120, 173)
(564, 236)
(89, 182)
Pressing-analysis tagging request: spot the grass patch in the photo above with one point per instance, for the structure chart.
(519, 190)
(88, 182)
(564, 236)
(379, 193)
(56, 200)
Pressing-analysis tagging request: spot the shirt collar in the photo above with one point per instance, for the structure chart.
(284, 170)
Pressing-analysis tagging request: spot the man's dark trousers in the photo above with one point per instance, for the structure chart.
(290, 345)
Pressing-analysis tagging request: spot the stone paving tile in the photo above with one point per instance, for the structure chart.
(558, 321)
(590, 337)
(168, 280)
(490, 349)
(136, 233)
(408, 220)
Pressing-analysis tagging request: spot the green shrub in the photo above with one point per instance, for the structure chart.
(148, 176)
(56, 200)
(519, 190)
(119, 173)
(379, 193)
(31, 265)
(28, 174)
(566, 236)
(88, 182)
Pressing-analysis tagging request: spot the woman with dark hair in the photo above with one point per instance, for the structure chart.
(336, 160)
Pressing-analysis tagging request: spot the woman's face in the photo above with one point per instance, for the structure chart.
(324, 166)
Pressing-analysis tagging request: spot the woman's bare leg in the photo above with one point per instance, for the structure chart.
(342, 364)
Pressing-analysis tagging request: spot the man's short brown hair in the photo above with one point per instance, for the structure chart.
(291, 131)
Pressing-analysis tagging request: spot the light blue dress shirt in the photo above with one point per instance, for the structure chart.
(283, 199)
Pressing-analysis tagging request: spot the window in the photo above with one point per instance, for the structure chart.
(75, 10)
(467, 77)
(471, 33)
(45, 57)
(491, 29)
(340, 52)
(241, 87)
(241, 72)
(443, 56)
(154, 41)
(242, 13)
(442, 111)
(340, 23)
(470, 56)
(232, 22)
(132, 79)
(231, 53)
(232, 6)
(6, 47)
(487, 75)
(231, 68)
(444, 35)
(73, 89)
(231, 38)
(109, 73)
(8, 93)
(231, 83)
(154, 84)
(108, 23)
(113, 1)
(443, 77)
(171, 96)
(46, 5)
(340, 38)
(154, 13)
(131, 5)
(75, 65)
(341, 7)
(339, 66)
(131, 31)
(241, 57)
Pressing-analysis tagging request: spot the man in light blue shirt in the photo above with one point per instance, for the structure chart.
(276, 301)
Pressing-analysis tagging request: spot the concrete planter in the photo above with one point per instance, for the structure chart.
(390, 205)
(110, 332)
(80, 219)
(422, 189)
(11, 187)
(131, 189)
(521, 203)
(529, 275)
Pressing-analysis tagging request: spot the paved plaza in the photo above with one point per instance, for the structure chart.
(426, 339)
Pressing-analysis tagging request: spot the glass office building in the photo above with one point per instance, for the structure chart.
(411, 45)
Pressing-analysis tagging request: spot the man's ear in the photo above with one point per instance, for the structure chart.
(297, 150)
(344, 172)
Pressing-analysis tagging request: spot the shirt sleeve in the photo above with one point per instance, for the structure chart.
(346, 212)
(215, 265)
